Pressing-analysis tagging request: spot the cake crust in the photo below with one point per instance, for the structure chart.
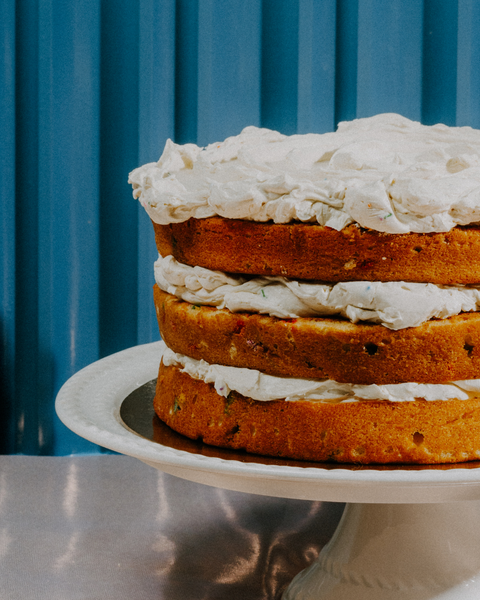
(359, 432)
(317, 348)
(313, 252)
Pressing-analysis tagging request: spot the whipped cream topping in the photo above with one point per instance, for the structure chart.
(254, 384)
(394, 304)
(385, 173)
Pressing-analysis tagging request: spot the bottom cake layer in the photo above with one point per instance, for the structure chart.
(422, 432)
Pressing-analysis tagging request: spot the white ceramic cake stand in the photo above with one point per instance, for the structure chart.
(406, 533)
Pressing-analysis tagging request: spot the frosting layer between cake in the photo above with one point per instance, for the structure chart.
(258, 386)
(395, 304)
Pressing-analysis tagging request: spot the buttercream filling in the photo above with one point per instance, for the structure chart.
(394, 304)
(259, 386)
(385, 172)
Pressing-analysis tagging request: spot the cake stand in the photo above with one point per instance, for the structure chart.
(407, 533)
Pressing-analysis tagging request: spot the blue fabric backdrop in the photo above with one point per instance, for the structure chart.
(89, 90)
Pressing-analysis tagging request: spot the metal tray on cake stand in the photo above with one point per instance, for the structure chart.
(407, 532)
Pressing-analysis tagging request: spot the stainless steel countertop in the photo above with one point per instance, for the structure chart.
(109, 527)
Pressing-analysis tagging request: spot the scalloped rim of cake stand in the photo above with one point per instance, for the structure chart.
(89, 404)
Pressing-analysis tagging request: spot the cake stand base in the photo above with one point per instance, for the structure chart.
(397, 552)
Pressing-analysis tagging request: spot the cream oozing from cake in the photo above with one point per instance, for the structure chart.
(395, 305)
(386, 173)
(259, 386)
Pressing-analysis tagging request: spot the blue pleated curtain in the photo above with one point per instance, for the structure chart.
(90, 89)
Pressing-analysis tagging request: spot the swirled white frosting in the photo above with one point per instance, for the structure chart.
(386, 173)
(254, 384)
(394, 304)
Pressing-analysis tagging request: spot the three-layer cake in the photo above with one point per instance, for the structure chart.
(319, 294)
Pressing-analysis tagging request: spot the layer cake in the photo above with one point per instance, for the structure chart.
(318, 294)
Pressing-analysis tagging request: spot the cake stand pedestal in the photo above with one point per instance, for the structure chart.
(397, 552)
(407, 533)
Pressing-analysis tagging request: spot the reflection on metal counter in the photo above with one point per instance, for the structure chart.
(110, 527)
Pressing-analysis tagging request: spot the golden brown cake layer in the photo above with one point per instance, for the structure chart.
(435, 352)
(309, 251)
(358, 432)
